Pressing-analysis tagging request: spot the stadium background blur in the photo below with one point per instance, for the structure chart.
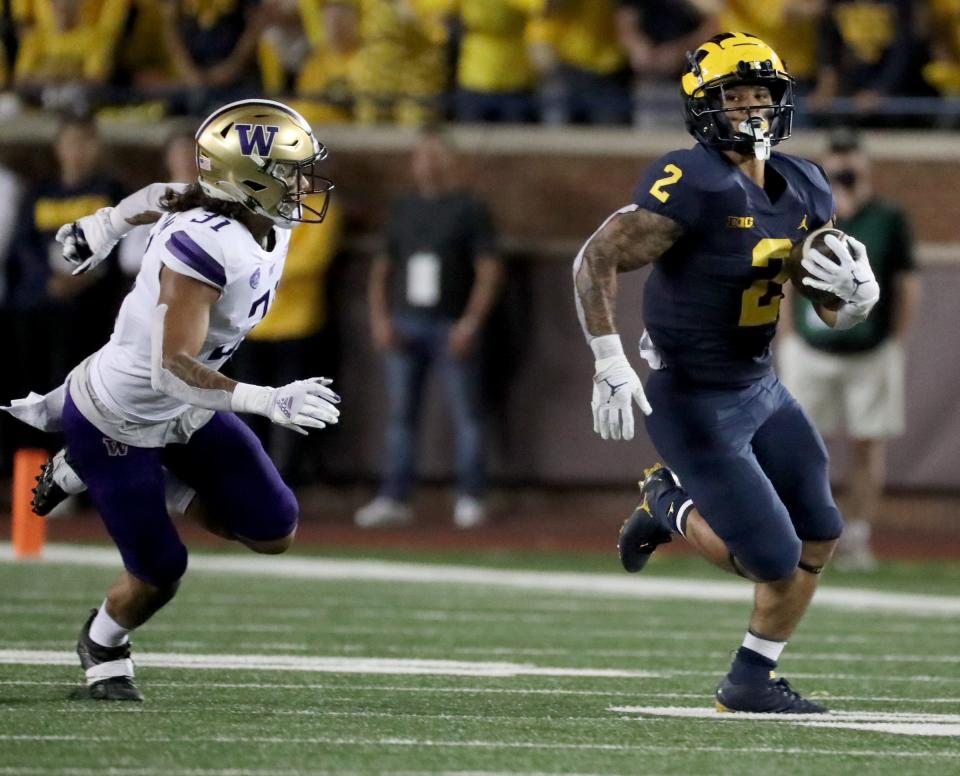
(556, 106)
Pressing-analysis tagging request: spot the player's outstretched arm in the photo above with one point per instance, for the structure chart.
(180, 326)
(88, 241)
(629, 239)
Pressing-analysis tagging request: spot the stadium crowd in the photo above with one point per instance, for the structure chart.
(412, 61)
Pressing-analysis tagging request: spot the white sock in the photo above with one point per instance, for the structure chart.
(769, 649)
(65, 476)
(105, 631)
(685, 507)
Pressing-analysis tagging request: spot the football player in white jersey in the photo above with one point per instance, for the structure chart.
(152, 404)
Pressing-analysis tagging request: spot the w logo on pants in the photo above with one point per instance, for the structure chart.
(256, 138)
(115, 449)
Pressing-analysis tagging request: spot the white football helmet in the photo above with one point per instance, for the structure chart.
(263, 155)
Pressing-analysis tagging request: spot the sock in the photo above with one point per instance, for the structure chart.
(755, 659)
(672, 510)
(105, 631)
(65, 476)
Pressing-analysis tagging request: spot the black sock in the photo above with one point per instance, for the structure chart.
(749, 667)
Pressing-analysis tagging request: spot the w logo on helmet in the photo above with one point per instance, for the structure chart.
(256, 138)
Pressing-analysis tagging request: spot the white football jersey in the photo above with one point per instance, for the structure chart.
(210, 248)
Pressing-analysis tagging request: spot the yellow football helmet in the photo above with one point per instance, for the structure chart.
(736, 59)
(263, 155)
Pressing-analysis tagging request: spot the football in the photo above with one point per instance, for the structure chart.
(815, 240)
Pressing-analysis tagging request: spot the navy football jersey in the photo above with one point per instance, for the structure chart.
(712, 301)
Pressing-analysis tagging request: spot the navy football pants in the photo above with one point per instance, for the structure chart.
(753, 463)
(224, 462)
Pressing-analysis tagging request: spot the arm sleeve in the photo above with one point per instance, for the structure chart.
(145, 200)
(669, 188)
(195, 254)
(484, 236)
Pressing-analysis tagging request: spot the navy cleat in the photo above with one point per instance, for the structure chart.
(109, 669)
(644, 531)
(773, 696)
(47, 494)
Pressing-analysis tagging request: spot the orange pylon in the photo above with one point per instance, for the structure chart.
(29, 530)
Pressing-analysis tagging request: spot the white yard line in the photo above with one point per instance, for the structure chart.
(898, 723)
(609, 585)
(331, 665)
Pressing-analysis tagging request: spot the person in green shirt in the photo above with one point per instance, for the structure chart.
(856, 376)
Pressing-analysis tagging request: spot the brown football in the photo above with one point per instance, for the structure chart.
(797, 272)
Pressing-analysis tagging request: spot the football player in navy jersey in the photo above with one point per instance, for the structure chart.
(717, 223)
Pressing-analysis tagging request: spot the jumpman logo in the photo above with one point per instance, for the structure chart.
(613, 388)
(803, 224)
(857, 282)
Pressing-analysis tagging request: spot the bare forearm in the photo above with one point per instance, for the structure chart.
(489, 276)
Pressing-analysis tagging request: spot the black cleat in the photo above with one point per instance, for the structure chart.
(47, 494)
(773, 696)
(642, 532)
(109, 669)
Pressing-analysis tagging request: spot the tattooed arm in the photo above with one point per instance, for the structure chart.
(629, 239)
(180, 327)
(185, 329)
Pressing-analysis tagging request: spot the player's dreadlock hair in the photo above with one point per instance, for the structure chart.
(194, 197)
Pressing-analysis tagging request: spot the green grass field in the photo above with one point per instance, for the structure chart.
(312, 664)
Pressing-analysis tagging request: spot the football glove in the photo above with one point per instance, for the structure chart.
(851, 279)
(615, 388)
(88, 241)
(302, 403)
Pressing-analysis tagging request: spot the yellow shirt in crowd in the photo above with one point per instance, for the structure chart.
(300, 308)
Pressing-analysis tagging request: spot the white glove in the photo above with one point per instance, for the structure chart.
(88, 241)
(302, 403)
(615, 388)
(851, 280)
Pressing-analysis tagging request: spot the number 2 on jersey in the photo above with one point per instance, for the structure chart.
(674, 174)
(760, 303)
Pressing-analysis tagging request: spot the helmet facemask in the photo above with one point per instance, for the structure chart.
(301, 180)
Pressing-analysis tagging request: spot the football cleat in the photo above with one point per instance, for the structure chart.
(773, 696)
(47, 494)
(643, 532)
(109, 669)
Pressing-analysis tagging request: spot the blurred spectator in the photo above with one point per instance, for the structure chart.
(66, 48)
(866, 51)
(657, 34)
(858, 374)
(143, 60)
(789, 26)
(430, 297)
(495, 77)
(586, 78)
(46, 300)
(943, 70)
(398, 73)
(213, 46)
(308, 49)
(290, 342)
(180, 161)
